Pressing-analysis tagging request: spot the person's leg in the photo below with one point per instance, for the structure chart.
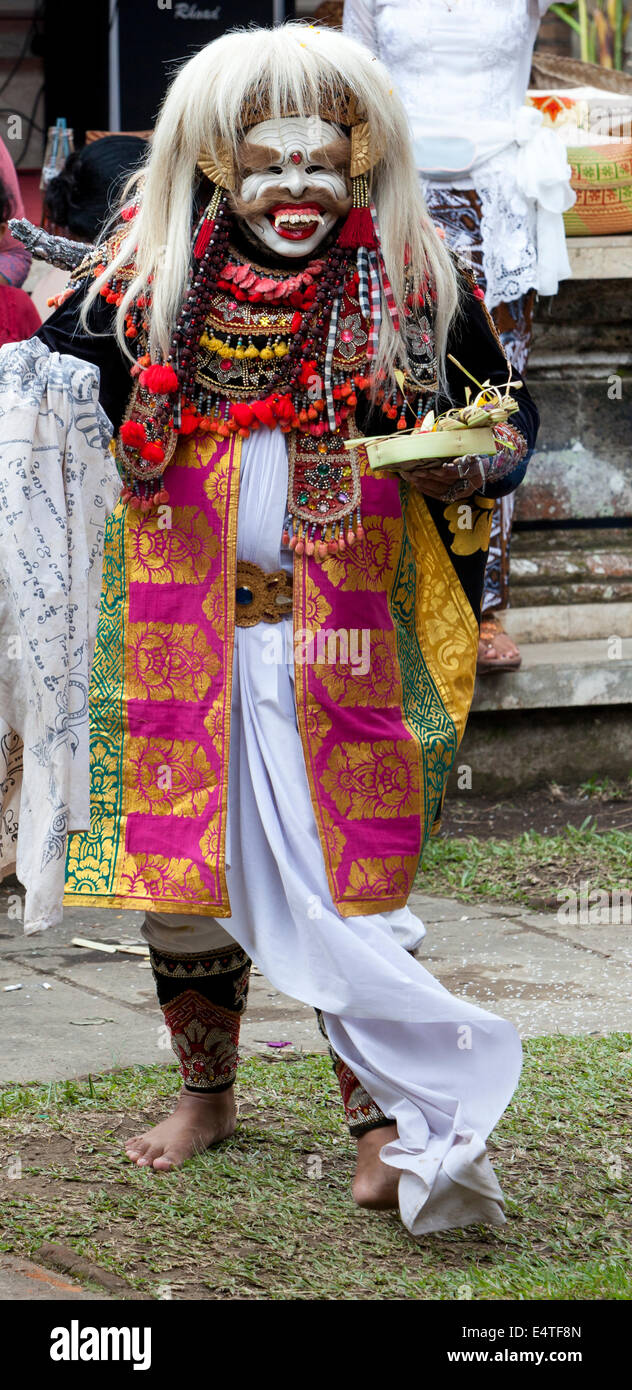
(374, 1184)
(201, 977)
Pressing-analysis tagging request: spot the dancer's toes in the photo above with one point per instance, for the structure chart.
(375, 1183)
(136, 1147)
(197, 1122)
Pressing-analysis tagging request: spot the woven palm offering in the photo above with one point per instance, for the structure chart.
(467, 429)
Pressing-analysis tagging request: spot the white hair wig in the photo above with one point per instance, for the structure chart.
(293, 67)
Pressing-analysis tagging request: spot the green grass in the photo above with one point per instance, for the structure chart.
(531, 868)
(605, 789)
(248, 1220)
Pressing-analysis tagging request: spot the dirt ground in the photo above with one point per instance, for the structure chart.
(545, 809)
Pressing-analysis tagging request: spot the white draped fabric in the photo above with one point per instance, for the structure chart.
(443, 1068)
(461, 68)
(58, 484)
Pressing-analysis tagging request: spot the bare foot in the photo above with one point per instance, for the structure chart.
(496, 651)
(375, 1183)
(197, 1122)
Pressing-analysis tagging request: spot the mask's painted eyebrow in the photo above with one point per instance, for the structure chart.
(336, 155)
(253, 157)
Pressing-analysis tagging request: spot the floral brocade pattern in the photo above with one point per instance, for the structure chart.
(167, 777)
(347, 686)
(382, 878)
(370, 565)
(470, 525)
(170, 661)
(378, 789)
(373, 779)
(160, 699)
(179, 553)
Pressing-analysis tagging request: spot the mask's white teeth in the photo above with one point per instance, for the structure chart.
(292, 219)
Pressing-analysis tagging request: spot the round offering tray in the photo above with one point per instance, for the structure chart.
(425, 446)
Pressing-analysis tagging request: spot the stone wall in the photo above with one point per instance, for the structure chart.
(573, 520)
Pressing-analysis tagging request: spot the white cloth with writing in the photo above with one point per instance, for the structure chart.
(58, 484)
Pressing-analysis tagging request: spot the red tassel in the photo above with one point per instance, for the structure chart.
(358, 230)
(203, 237)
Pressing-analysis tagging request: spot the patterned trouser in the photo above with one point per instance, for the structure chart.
(203, 992)
(458, 211)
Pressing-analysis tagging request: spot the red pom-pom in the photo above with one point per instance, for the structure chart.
(307, 372)
(242, 413)
(190, 422)
(285, 409)
(264, 414)
(358, 230)
(159, 379)
(129, 213)
(153, 453)
(478, 292)
(133, 433)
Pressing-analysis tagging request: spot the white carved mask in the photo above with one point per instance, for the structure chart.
(292, 186)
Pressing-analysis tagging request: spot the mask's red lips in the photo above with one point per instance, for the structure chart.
(295, 221)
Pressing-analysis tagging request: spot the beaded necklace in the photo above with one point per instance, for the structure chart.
(260, 347)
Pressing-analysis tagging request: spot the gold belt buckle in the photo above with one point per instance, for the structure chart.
(261, 597)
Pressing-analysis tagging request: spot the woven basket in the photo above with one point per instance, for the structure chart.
(549, 69)
(602, 179)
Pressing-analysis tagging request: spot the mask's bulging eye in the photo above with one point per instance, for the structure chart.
(275, 168)
(314, 169)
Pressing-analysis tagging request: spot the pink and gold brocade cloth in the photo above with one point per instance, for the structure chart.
(379, 738)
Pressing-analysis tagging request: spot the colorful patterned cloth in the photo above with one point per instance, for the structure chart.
(378, 738)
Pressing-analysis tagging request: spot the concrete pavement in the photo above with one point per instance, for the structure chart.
(78, 1011)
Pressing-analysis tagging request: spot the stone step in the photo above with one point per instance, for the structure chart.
(566, 622)
(557, 675)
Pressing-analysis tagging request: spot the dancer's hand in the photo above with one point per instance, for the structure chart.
(450, 480)
(458, 478)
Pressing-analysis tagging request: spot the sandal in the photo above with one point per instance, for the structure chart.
(496, 651)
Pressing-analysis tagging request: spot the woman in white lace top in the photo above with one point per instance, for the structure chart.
(493, 178)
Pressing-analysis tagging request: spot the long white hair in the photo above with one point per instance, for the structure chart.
(290, 67)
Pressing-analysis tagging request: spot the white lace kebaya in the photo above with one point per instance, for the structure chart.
(462, 70)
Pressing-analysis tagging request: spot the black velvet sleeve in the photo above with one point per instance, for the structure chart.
(64, 332)
(473, 342)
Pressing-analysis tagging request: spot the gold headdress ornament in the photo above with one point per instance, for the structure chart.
(221, 171)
